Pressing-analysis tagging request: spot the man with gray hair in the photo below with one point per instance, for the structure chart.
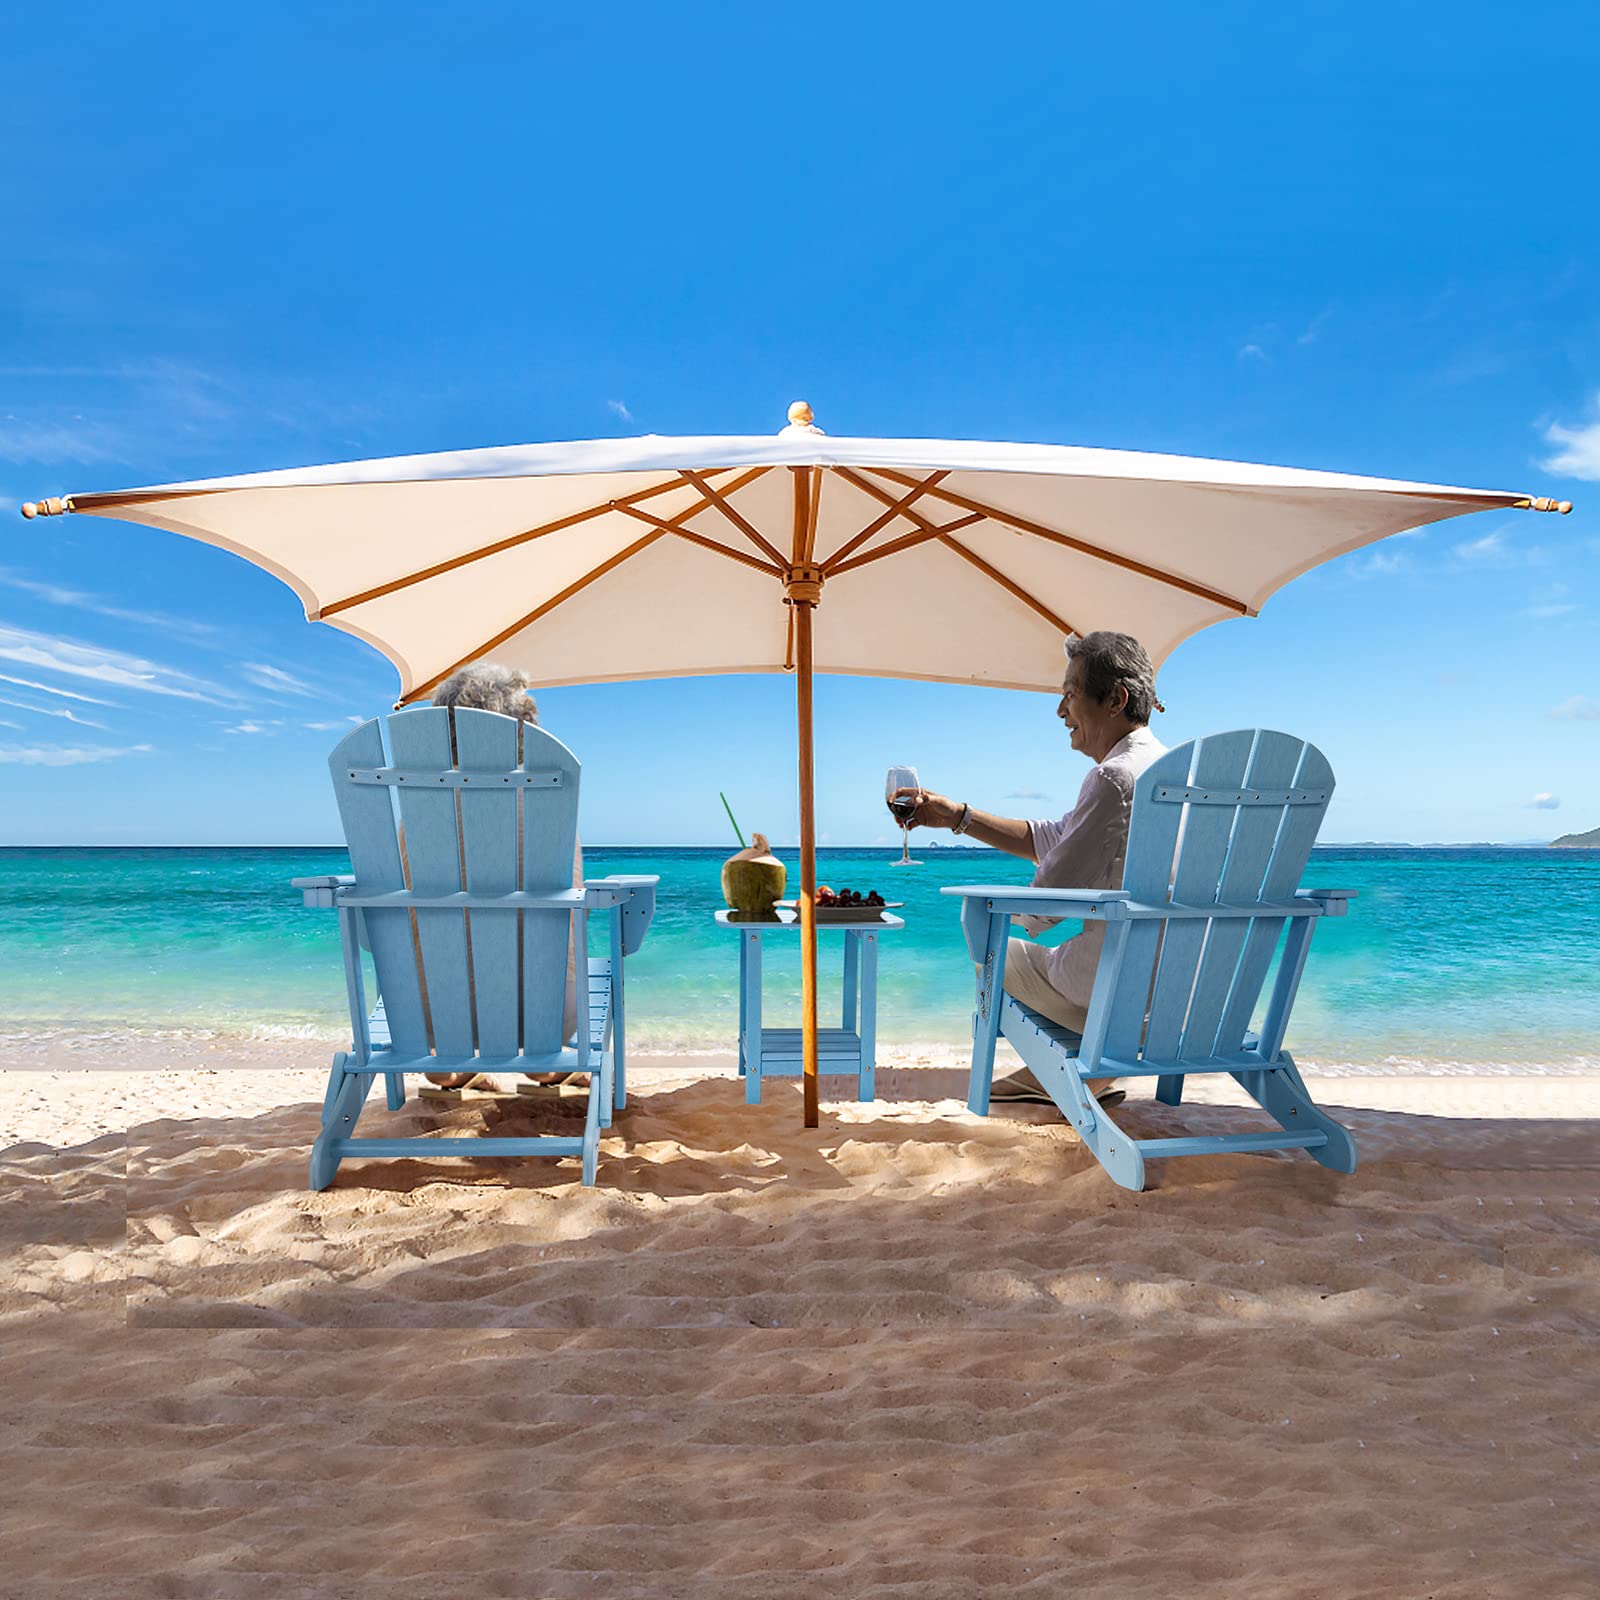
(1107, 696)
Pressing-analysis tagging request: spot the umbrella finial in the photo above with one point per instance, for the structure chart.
(53, 507)
(801, 418)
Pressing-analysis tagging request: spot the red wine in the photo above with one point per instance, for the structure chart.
(904, 809)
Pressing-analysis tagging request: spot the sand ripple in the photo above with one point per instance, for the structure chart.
(909, 1354)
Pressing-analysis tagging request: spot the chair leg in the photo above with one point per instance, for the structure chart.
(986, 1016)
(591, 1132)
(1282, 1095)
(982, 1074)
(607, 1091)
(335, 1083)
(394, 1088)
(1169, 1088)
(338, 1123)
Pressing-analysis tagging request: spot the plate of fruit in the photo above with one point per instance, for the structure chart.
(845, 905)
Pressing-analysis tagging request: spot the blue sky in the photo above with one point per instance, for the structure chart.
(1354, 237)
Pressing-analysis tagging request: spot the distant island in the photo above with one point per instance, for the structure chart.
(1578, 841)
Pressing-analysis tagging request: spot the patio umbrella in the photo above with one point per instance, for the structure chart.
(948, 560)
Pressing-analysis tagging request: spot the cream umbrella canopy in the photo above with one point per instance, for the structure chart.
(947, 560)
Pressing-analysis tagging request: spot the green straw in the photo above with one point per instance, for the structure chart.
(729, 809)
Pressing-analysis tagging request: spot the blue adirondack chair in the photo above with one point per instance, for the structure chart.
(461, 828)
(1228, 822)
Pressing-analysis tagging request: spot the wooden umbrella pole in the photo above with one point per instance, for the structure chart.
(808, 861)
(803, 589)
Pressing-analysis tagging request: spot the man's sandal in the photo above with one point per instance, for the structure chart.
(477, 1087)
(1007, 1091)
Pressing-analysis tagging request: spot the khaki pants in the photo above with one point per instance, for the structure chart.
(1028, 980)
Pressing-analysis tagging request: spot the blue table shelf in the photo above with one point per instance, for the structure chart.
(851, 1047)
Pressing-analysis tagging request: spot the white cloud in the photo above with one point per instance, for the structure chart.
(1556, 609)
(1491, 547)
(65, 712)
(1543, 802)
(276, 679)
(50, 688)
(59, 595)
(251, 727)
(1580, 708)
(328, 727)
(65, 755)
(1382, 563)
(1315, 326)
(617, 408)
(4, 723)
(1578, 448)
(115, 667)
(1252, 352)
(1496, 549)
(24, 440)
(1027, 794)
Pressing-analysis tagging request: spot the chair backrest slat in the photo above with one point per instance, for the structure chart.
(367, 814)
(1273, 764)
(1219, 763)
(1146, 872)
(1291, 850)
(488, 980)
(549, 838)
(488, 744)
(1233, 827)
(420, 740)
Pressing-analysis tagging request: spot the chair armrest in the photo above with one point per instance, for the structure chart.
(1334, 902)
(319, 891)
(637, 903)
(1105, 905)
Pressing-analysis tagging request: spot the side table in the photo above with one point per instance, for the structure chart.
(776, 1052)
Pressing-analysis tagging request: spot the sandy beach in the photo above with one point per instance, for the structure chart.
(910, 1353)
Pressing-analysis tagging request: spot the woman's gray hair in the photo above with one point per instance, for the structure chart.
(1112, 658)
(486, 687)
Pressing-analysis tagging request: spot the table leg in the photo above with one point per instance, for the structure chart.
(866, 1088)
(744, 1017)
(750, 991)
(852, 967)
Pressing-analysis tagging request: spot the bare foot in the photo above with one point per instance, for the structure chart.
(449, 1080)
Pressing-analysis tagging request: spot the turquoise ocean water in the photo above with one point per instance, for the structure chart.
(1470, 956)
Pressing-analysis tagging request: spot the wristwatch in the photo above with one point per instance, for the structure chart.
(964, 821)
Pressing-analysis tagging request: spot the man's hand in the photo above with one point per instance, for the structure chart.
(1003, 833)
(933, 810)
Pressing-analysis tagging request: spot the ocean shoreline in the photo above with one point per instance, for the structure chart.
(156, 1050)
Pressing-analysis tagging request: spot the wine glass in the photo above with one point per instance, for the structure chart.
(903, 809)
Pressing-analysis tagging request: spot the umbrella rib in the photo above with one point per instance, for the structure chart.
(907, 541)
(700, 539)
(737, 518)
(1014, 589)
(571, 520)
(538, 611)
(883, 519)
(813, 508)
(1023, 525)
(802, 485)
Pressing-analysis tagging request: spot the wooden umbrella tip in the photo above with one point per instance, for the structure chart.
(800, 413)
(53, 507)
(1561, 506)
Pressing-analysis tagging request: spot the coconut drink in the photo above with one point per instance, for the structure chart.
(753, 880)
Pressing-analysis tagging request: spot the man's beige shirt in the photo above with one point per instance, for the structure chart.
(1085, 850)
